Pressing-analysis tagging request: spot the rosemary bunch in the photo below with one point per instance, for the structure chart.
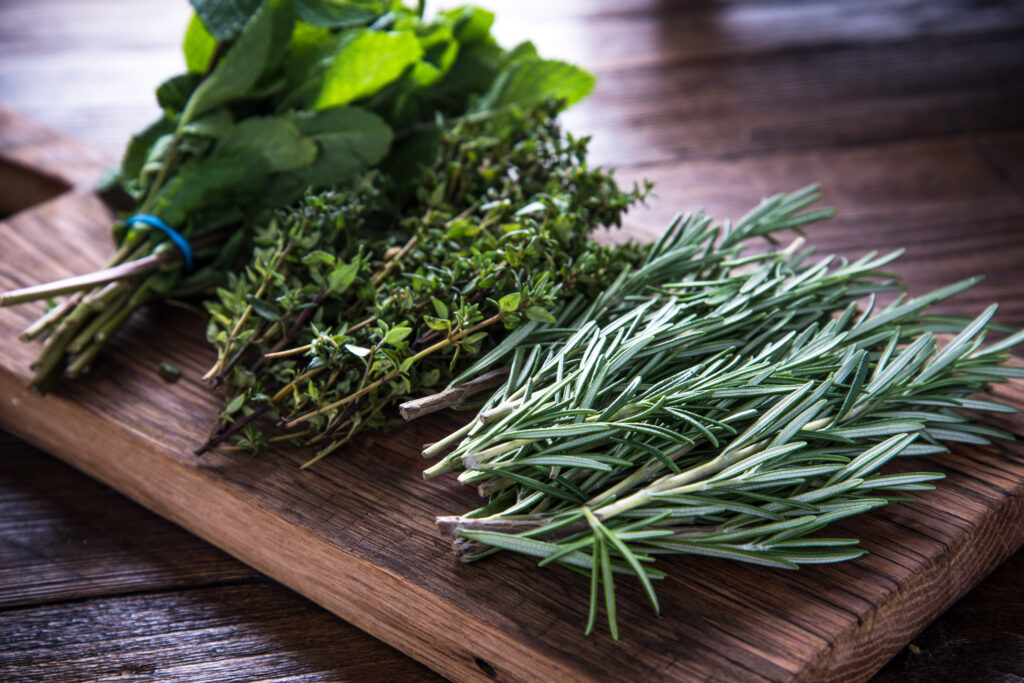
(359, 298)
(732, 412)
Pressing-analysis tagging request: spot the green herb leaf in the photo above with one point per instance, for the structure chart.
(367, 63)
(342, 277)
(241, 66)
(439, 307)
(199, 45)
(225, 19)
(397, 334)
(510, 302)
(337, 14)
(277, 140)
(264, 309)
(532, 81)
(540, 315)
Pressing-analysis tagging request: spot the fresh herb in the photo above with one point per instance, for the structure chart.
(169, 373)
(719, 404)
(280, 96)
(327, 328)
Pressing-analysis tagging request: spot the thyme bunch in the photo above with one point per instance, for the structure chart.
(357, 299)
(739, 406)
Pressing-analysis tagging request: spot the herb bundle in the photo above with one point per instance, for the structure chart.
(280, 96)
(732, 407)
(327, 327)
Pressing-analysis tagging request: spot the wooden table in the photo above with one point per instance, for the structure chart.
(911, 115)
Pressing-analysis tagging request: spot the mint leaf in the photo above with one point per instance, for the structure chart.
(241, 66)
(350, 140)
(532, 81)
(223, 178)
(366, 64)
(276, 139)
(198, 46)
(217, 124)
(139, 147)
(225, 19)
(337, 13)
(470, 24)
(173, 93)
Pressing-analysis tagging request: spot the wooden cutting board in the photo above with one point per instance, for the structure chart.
(356, 534)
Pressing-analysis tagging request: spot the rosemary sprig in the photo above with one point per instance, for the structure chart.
(732, 409)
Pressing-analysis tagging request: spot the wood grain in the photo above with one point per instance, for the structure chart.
(95, 588)
(64, 537)
(128, 637)
(905, 112)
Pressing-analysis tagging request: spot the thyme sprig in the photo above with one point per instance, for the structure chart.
(360, 298)
(738, 406)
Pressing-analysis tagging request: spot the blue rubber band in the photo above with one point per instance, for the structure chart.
(175, 236)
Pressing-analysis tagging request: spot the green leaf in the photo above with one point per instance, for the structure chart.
(173, 93)
(540, 315)
(276, 138)
(366, 64)
(235, 404)
(350, 140)
(438, 324)
(341, 277)
(337, 13)
(198, 46)
(470, 24)
(223, 179)
(358, 350)
(225, 19)
(439, 307)
(140, 145)
(532, 81)
(319, 258)
(241, 66)
(397, 334)
(509, 303)
(264, 309)
(216, 124)
(609, 586)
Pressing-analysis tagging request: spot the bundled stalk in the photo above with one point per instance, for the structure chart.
(328, 326)
(735, 408)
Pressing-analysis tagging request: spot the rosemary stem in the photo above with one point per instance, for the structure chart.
(451, 397)
(439, 447)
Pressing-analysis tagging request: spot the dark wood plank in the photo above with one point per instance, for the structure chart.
(66, 537)
(981, 638)
(224, 633)
(954, 204)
